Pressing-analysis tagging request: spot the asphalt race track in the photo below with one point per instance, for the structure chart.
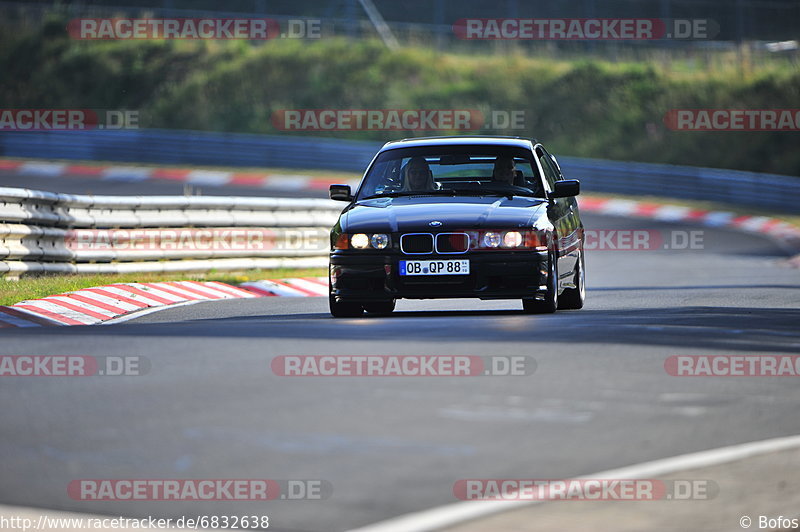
(210, 406)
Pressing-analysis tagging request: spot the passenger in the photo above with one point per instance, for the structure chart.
(418, 175)
(505, 170)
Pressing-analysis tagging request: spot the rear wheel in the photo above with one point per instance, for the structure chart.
(550, 302)
(380, 307)
(573, 298)
(344, 309)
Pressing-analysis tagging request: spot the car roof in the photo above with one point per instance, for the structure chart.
(481, 140)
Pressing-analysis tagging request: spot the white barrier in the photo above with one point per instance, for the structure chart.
(63, 233)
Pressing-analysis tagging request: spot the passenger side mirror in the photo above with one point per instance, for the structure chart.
(566, 189)
(340, 193)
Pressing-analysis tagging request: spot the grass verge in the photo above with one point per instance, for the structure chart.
(35, 287)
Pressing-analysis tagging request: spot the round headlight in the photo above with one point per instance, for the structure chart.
(491, 239)
(379, 241)
(359, 241)
(512, 239)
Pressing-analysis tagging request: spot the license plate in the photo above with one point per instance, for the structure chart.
(434, 267)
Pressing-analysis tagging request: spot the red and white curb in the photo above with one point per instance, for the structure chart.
(207, 178)
(92, 306)
(783, 231)
(300, 287)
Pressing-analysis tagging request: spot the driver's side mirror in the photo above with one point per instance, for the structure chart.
(340, 193)
(566, 189)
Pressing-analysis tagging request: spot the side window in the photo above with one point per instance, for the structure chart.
(554, 165)
(550, 174)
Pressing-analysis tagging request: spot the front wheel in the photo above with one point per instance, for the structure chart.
(550, 302)
(344, 309)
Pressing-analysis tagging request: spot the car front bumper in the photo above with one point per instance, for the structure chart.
(493, 275)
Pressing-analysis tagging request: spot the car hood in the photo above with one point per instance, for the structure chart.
(404, 214)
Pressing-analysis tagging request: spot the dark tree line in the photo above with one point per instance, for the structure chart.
(737, 19)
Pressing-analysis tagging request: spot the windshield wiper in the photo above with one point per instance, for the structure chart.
(387, 195)
(399, 194)
(494, 192)
(453, 192)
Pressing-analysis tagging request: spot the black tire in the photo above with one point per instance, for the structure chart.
(573, 298)
(344, 309)
(550, 302)
(380, 307)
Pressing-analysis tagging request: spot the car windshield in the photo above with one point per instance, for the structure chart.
(454, 171)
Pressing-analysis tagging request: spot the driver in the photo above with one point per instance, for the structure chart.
(418, 175)
(505, 170)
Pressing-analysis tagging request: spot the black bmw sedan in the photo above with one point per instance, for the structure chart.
(458, 217)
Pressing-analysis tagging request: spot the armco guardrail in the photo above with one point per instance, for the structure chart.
(190, 147)
(757, 190)
(48, 232)
(765, 191)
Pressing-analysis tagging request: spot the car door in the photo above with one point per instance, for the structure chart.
(575, 224)
(563, 215)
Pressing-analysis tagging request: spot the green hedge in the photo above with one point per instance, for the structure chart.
(581, 108)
